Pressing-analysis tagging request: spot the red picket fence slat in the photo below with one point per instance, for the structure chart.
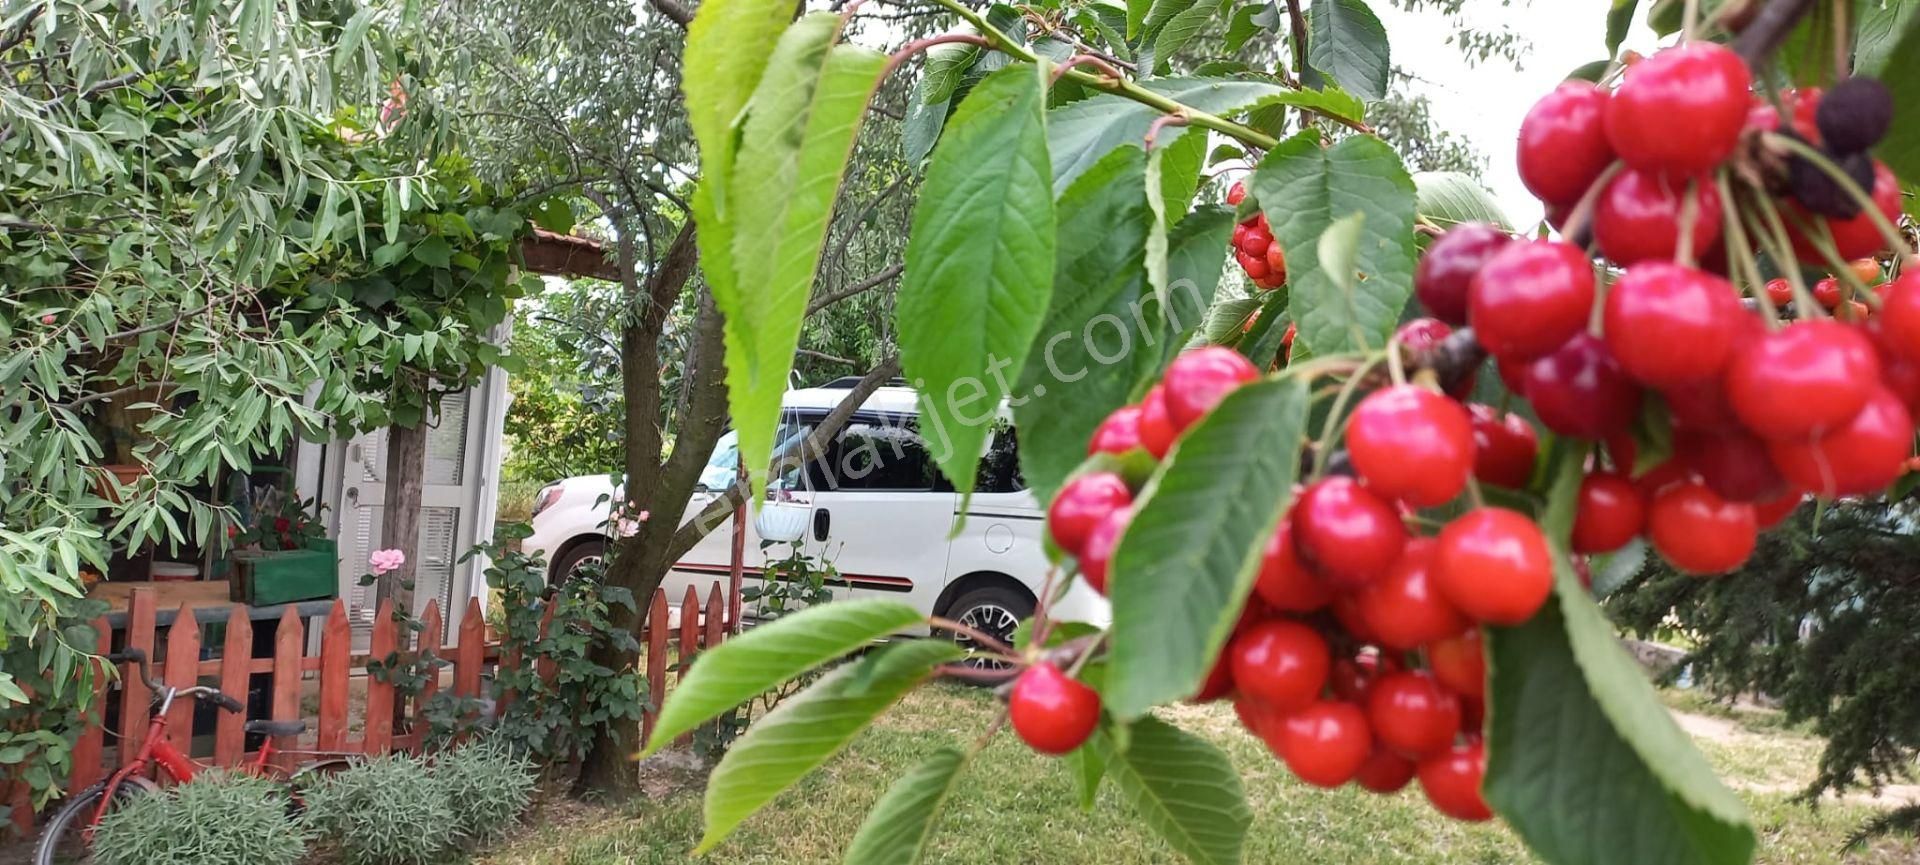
(288, 673)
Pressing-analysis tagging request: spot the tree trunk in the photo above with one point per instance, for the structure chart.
(400, 512)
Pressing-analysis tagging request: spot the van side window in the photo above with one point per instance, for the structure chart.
(1000, 468)
(878, 456)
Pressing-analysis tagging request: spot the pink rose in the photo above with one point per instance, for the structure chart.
(383, 561)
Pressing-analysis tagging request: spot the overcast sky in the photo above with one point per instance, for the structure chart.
(1485, 103)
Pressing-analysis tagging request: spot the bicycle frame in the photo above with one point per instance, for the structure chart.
(159, 752)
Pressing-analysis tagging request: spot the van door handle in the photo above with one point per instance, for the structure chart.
(822, 521)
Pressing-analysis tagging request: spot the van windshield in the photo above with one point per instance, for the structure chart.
(725, 461)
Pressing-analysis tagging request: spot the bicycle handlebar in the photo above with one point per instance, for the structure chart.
(159, 688)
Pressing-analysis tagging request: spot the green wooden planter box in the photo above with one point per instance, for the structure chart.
(261, 578)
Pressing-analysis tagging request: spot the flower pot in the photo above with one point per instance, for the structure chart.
(782, 522)
(121, 476)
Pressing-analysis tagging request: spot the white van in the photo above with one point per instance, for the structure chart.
(880, 511)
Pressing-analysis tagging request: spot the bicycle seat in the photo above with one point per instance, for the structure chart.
(277, 728)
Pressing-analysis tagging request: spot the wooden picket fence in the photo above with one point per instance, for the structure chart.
(333, 669)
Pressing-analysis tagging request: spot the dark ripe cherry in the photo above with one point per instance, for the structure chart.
(1404, 609)
(1198, 380)
(1734, 464)
(1346, 533)
(1284, 583)
(1699, 532)
(1855, 114)
(1099, 547)
(1771, 513)
(1638, 216)
(1384, 771)
(1680, 111)
(1452, 782)
(1862, 456)
(1504, 447)
(1446, 269)
(1804, 378)
(1082, 504)
(1530, 297)
(1052, 713)
(1412, 714)
(1669, 325)
(1494, 565)
(1411, 444)
(1219, 681)
(1156, 429)
(1460, 663)
(1563, 142)
(1279, 663)
(1581, 391)
(1325, 744)
(1119, 433)
(1900, 316)
(1856, 237)
(1609, 514)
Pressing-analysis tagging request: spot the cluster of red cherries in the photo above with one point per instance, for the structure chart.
(1254, 247)
(1358, 657)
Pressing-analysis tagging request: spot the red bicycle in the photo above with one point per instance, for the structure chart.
(69, 833)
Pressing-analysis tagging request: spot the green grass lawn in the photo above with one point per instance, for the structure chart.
(1015, 806)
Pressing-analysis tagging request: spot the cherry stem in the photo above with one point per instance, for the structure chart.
(907, 51)
(1161, 122)
(1691, 28)
(1086, 654)
(1689, 219)
(1335, 421)
(1583, 210)
(1769, 28)
(1822, 241)
(992, 643)
(1773, 234)
(1740, 251)
(1395, 370)
(1842, 47)
(1093, 60)
(1895, 241)
(1042, 625)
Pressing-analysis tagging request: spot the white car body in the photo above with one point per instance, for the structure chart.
(877, 508)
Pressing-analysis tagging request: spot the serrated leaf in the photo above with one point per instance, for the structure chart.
(1187, 19)
(1080, 133)
(794, 149)
(947, 65)
(1337, 247)
(1077, 372)
(1178, 174)
(1347, 42)
(1196, 255)
(1879, 31)
(1900, 71)
(809, 728)
(979, 268)
(1186, 563)
(1243, 26)
(922, 127)
(1448, 198)
(1618, 781)
(758, 660)
(1183, 788)
(1088, 766)
(1619, 20)
(1303, 188)
(896, 830)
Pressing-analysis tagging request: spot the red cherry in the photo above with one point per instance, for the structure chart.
(1412, 714)
(1422, 333)
(1052, 713)
(1460, 663)
(1900, 316)
(1259, 719)
(1119, 433)
(1610, 513)
(1638, 216)
(1809, 376)
(1530, 297)
(1384, 772)
(1735, 465)
(1198, 380)
(1254, 241)
(1669, 325)
(1351, 679)
(1276, 259)
(1082, 504)
(1702, 407)
(1702, 82)
(1563, 142)
(1805, 104)
(1346, 533)
(1779, 291)
(1494, 565)
(1404, 609)
(1156, 430)
(1699, 532)
(1411, 444)
(1452, 782)
(1504, 447)
(1254, 265)
(1860, 457)
(1346, 611)
(1099, 548)
(1473, 715)
(1858, 237)
(1446, 269)
(1284, 582)
(1826, 292)
(1236, 193)
(1218, 684)
(1763, 116)
(1280, 663)
(1325, 744)
(1771, 513)
(1666, 474)
(1581, 391)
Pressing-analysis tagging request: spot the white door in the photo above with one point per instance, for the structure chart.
(450, 490)
(882, 513)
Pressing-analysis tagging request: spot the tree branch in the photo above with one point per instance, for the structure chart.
(857, 288)
(675, 11)
(722, 506)
(826, 357)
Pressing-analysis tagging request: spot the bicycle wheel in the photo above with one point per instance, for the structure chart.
(63, 841)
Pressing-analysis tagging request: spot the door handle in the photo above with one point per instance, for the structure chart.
(822, 521)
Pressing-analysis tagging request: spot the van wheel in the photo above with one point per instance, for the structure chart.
(583, 556)
(992, 610)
